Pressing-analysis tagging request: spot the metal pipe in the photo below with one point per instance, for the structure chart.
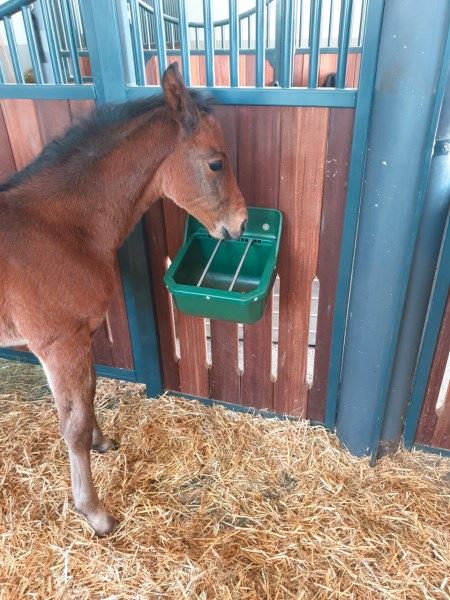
(260, 37)
(344, 37)
(239, 267)
(209, 43)
(136, 36)
(314, 42)
(51, 41)
(32, 43)
(287, 47)
(160, 37)
(234, 43)
(208, 264)
(69, 21)
(12, 45)
(184, 43)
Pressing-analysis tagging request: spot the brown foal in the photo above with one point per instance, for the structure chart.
(64, 217)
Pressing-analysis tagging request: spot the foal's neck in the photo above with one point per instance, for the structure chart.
(108, 197)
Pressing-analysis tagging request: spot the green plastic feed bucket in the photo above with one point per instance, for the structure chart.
(227, 279)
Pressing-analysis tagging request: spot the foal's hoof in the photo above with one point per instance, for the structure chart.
(105, 445)
(103, 524)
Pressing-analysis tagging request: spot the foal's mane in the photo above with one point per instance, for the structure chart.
(95, 135)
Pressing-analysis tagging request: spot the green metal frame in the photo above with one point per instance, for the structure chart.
(429, 339)
(355, 180)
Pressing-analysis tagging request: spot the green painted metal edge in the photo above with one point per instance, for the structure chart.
(255, 412)
(47, 91)
(432, 450)
(101, 370)
(355, 181)
(273, 96)
(429, 339)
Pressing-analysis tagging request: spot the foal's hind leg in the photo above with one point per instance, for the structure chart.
(100, 443)
(67, 364)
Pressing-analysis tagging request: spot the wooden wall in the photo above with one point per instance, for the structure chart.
(25, 127)
(295, 159)
(327, 65)
(434, 425)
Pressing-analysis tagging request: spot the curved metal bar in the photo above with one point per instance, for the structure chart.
(13, 6)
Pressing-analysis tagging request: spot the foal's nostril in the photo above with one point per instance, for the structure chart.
(224, 232)
(243, 226)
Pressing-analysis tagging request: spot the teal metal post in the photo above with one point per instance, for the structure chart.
(101, 21)
(399, 148)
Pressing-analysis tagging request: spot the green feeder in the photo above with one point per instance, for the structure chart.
(227, 279)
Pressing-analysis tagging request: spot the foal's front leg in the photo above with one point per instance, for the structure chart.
(67, 364)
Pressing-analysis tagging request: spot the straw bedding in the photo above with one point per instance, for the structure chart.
(214, 505)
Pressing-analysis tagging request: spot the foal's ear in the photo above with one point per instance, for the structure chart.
(179, 100)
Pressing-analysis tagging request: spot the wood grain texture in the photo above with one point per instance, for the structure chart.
(192, 367)
(157, 253)
(303, 148)
(23, 129)
(117, 326)
(53, 117)
(340, 132)
(7, 163)
(258, 151)
(428, 417)
(224, 373)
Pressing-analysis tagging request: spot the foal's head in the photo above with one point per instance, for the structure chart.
(197, 175)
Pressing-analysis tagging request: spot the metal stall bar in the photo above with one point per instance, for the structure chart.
(12, 45)
(344, 37)
(208, 264)
(136, 36)
(314, 42)
(209, 43)
(108, 70)
(383, 254)
(2, 76)
(32, 43)
(160, 37)
(239, 267)
(234, 43)
(355, 179)
(260, 43)
(71, 42)
(287, 27)
(184, 42)
(51, 41)
(430, 337)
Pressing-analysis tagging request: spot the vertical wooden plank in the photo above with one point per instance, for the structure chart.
(224, 373)
(193, 368)
(441, 435)
(80, 109)
(152, 71)
(269, 73)
(297, 70)
(7, 163)
(101, 346)
(428, 417)
(23, 130)
(350, 72)
(357, 70)
(340, 132)
(327, 65)
(117, 324)
(54, 118)
(222, 70)
(303, 148)
(258, 136)
(157, 253)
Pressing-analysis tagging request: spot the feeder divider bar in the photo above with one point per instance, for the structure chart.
(208, 264)
(239, 267)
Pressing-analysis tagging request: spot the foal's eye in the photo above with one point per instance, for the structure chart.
(216, 166)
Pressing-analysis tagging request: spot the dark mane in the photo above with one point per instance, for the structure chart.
(90, 137)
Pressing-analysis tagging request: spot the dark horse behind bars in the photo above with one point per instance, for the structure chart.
(64, 217)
